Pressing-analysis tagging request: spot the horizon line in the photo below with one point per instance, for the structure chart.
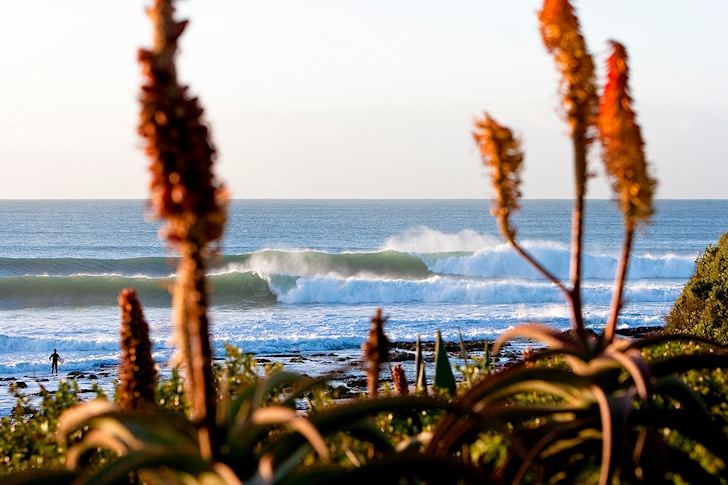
(351, 199)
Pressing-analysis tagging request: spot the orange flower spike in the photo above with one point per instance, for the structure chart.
(562, 38)
(137, 371)
(622, 144)
(183, 187)
(501, 152)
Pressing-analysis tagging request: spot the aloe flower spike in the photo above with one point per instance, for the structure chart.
(137, 370)
(501, 153)
(562, 37)
(625, 164)
(185, 193)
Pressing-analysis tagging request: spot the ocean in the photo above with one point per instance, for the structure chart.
(307, 275)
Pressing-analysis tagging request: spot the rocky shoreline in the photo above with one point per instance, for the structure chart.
(344, 367)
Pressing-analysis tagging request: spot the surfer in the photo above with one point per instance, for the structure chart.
(54, 358)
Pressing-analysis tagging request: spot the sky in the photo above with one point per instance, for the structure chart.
(352, 99)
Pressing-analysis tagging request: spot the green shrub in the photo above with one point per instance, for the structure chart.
(26, 436)
(702, 308)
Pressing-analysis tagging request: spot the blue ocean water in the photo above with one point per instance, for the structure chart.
(307, 275)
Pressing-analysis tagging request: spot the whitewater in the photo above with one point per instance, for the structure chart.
(307, 275)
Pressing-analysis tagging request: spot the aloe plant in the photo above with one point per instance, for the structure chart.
(599, 404)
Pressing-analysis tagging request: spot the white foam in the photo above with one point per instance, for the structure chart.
(425, 240)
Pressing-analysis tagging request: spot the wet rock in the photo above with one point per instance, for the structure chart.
(639, 332)
(356, 382)
(21, 384)
(401, 356)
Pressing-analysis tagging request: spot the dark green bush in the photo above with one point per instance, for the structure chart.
(702, 308)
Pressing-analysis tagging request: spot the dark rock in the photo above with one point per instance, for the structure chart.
(451, 347)
(639, 332)
(401, 356)
(356, 382)
(21, 384)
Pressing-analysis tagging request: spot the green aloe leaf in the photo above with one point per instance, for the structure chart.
(79, 415)
(353, 418)
(252, 396)
(684, 363)
(117, 471)
(405, 467)
(674, 387)
(544, 412)
(565, 439)
(420, 377)
(696, 426)
(674, 338)
(486, 397)
(680, 463)
(464, 353)
(551, 337)
(444, 378)
(565, 383)
(314, 476)
(278, 379)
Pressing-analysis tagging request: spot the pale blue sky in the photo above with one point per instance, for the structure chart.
(344, 98)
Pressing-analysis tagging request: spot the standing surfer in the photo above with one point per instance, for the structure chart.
(54, 358)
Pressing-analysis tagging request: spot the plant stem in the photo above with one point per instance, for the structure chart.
(541, 269)
(193, 323)
(577, 231)
(619, 280)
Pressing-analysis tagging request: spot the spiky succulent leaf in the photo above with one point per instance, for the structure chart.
(420, 377)
(551, 337)
(117, 471)
(444, 378)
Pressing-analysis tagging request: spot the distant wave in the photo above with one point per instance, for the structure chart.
(503, 262)
(150, 266)
(102, 290)
(423, 240)
(387, 264)
(439, 289)
(493, 274)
